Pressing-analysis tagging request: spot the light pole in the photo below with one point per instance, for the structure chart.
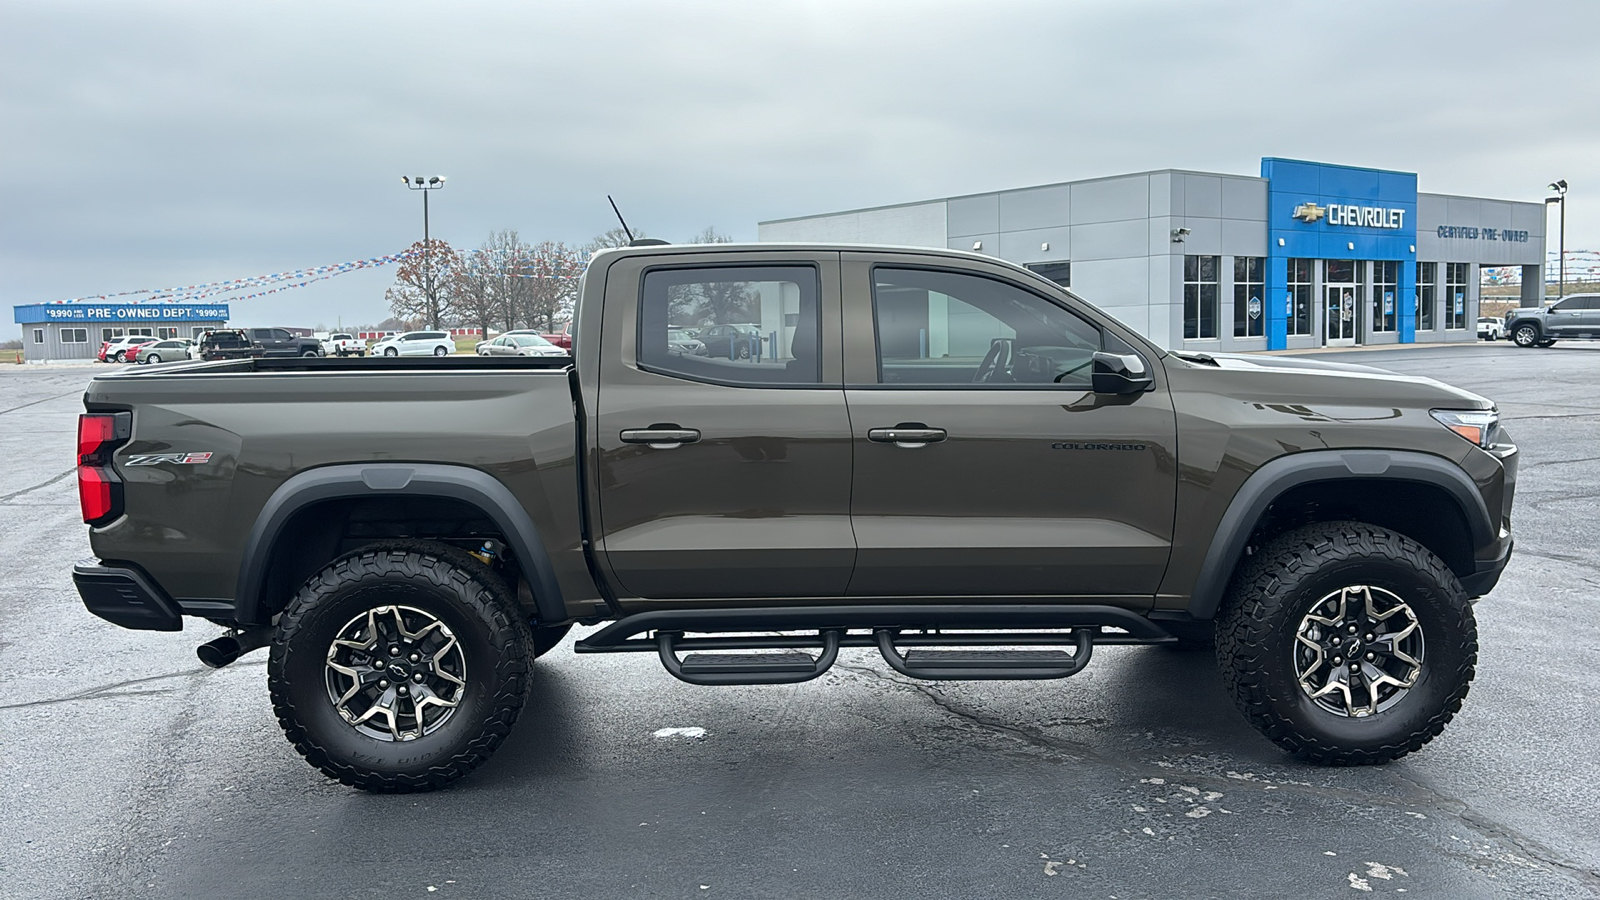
(1560, 199)
(432, 183)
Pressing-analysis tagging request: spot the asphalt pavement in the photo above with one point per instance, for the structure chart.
(128, 770)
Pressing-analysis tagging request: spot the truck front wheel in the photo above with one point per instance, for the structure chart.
(1526, 336)
(1347, 644)
(400, 667)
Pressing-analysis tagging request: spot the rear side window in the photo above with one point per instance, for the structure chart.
(754, 325)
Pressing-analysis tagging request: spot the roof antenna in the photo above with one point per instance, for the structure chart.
(625, 229)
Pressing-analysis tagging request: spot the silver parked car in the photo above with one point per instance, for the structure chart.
(519, 344)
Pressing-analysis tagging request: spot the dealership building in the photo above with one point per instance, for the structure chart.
(54, 332)
(1306, 255)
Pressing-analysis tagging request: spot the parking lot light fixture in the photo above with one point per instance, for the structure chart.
(433, 183)
(1560, 200)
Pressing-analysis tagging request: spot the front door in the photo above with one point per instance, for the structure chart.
(723, 476)
(984, 465)
(1339, 315)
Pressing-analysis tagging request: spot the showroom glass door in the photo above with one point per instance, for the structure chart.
(1340, 303)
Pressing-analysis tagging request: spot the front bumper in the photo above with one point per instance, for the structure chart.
(125, 596)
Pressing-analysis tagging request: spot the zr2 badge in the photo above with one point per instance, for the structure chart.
(182, 459)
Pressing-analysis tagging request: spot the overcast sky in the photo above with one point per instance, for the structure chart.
(152, 144)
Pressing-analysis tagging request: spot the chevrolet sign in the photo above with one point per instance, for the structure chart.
(1349, 214)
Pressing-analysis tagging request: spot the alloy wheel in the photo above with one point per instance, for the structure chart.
(396, 673)
(1358, 651)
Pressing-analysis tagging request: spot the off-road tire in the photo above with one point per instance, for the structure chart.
(1277, 586)
(1525, 335)
(445, 582)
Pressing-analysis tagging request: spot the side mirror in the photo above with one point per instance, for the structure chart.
(1120, 373)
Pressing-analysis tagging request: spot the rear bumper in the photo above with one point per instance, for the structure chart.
(125, 596)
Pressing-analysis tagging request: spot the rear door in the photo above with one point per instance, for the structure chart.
(717, 477)
(985, 466)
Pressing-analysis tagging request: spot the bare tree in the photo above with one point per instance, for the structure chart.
(605, 240)
(709, 235)
(422, 286)
(551, 273)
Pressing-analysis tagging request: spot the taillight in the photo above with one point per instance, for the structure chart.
(99, 489)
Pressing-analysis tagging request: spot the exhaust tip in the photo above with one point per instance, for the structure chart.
(226, 649)
(218, 653)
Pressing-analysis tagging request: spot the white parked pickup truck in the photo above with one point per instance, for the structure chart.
(344, 344)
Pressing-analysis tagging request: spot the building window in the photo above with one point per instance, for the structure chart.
(110, 334)
(1427, 292)
(1455, 295)
(1200, 292)
(38, 335)
(1249, 286)
(142, 332)
(1059, 272)
(1385, 294)
(198, 331)
(1299, 298)
(167, 332)
(74, 335)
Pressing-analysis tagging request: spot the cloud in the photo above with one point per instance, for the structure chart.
(181, 142)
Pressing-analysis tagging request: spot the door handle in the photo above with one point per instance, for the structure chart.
(912, 434)
(661, 437)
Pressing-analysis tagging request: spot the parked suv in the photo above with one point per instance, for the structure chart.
(1574, 317)
(416, 343)
(120, 349)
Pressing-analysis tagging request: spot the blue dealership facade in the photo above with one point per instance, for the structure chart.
(1307, 254)
(53, 332)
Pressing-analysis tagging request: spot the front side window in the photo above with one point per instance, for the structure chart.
(1455, 295)
(1299, 308)
(1427, 293)
(1385, 290)
(742, 315)
(953, 328)
(74, 335)
(1200, 292)
(1249, 286)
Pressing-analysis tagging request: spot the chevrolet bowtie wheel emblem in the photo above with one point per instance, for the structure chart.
(1309, 212)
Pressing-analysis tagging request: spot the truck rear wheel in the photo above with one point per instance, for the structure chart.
(400, 667)
(1347, 644)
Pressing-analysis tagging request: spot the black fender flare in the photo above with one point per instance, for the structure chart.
(462, 483)
(1269, 482)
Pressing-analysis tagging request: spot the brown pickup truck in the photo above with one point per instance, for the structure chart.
(937, 455)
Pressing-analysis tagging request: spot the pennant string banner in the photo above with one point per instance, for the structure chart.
(282, 281)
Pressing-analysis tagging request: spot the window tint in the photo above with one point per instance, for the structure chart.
(740, 316)
(952, 328)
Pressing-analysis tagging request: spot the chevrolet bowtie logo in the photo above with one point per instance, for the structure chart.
(1309, 212)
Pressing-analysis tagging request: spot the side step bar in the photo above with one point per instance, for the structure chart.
(933, 655)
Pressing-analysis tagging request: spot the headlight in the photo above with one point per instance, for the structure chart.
(1476, 425)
